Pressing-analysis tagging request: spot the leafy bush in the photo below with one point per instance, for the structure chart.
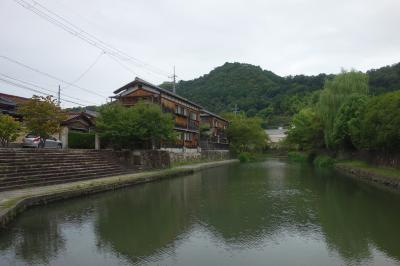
(81, 140)
(8, 129)
(297, 157)
(244, 157)
(381, 122)
(323, 161)
(246, 134)
(306, 130)
(143, 123)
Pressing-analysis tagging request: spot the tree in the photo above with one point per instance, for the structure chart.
(306, 130)
(381, 123)
(347, 126)
(8, 129)
(42, 116)
(334, 94)
(144, 123)
(246, 134)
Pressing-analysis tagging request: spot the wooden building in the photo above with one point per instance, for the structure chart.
(216, 137)
(9, 104)
(186, 113)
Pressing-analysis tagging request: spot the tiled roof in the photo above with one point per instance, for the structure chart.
(205, 112)
(143, 82)
(14, 98)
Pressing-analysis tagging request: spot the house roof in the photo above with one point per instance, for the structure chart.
(13, 99)
(139, 81)
(72, 116)
(205, 112)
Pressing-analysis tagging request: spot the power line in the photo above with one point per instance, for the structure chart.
(122, 65)
(35, 90)
(50, 76)
(69, 27)
(87, 70)
(41, 87)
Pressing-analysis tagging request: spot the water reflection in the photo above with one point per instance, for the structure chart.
(256, 209)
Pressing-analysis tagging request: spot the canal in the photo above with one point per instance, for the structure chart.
(265, 213)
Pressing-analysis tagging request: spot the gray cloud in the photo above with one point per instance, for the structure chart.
(287, 36)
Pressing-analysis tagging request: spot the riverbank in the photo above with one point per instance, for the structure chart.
(381, 175)
(16, 201)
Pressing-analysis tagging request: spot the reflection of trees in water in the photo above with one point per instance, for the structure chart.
(354, 217)
(37, 236)
(156, 214)
(36, 240)
(254, 204)
(261, 202)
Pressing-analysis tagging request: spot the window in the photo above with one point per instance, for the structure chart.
(188, 136)
(193, 116)
(180, 110)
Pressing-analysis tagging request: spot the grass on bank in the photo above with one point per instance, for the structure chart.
(379, 170)
(322, 161)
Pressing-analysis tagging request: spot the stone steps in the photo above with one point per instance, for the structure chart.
(54, 181)
(53, 170)
(20, 168)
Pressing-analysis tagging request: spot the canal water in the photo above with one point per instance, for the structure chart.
(266, 213)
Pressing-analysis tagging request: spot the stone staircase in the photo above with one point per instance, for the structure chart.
(20, 168)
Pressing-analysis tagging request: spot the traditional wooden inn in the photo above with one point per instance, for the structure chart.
(186, 113)
(215, 137)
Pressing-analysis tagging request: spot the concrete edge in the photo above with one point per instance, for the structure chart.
(19, 204)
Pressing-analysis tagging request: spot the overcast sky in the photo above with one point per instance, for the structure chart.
(288, 37)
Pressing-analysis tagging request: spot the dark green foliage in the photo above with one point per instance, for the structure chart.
(335, 93)
(298, 157)
(81, 140)
(256, 92)
(143, 124)
(246, 134)
(381, 123)
(347, 124)
(306, 130)
(385, 79)
(323, 161)
(244, 157)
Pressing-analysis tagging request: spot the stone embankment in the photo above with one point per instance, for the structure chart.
(15, 201)
(389, 180)
(20, 168)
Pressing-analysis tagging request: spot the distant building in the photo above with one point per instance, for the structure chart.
(186, 113)
(217, 131)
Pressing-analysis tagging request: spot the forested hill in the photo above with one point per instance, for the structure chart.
(263, 93)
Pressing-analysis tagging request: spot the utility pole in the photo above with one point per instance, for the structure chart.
(59, 95)
(235, 110)
(173, 81)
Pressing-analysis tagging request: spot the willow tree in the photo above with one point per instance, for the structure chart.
(335, 93)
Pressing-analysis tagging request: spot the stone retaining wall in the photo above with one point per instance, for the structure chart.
(393, 182)
(143, 159)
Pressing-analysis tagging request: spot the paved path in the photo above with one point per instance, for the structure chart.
(10, 199)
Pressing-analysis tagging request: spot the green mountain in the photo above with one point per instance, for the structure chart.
(261, 92)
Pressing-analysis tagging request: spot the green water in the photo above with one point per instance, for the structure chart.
(269, 213)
